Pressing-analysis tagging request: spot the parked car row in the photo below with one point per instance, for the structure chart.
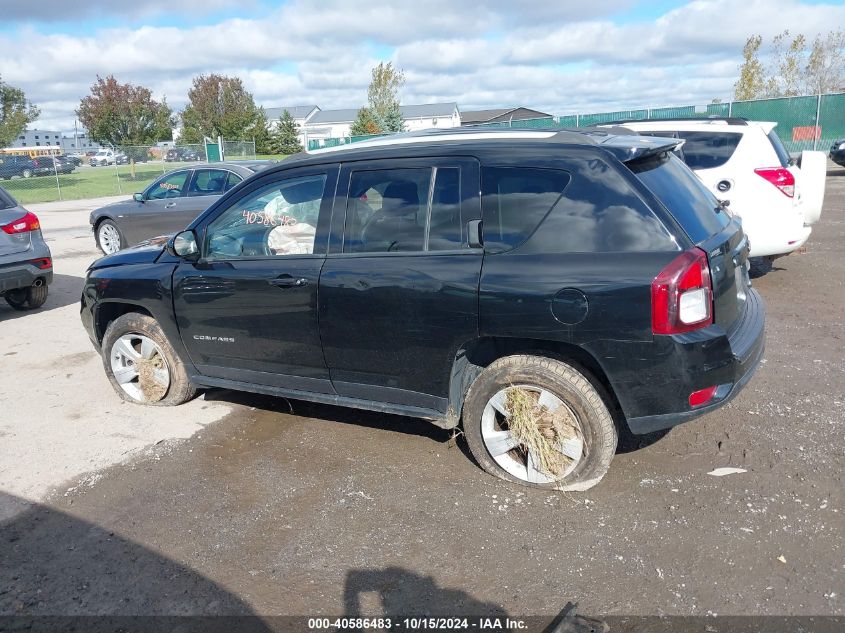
(538, 288)
(837, 152)
(184, 155)
(14, 166)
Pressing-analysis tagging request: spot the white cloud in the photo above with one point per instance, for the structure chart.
(560, 58)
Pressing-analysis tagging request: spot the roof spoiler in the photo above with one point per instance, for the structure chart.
(632, 148)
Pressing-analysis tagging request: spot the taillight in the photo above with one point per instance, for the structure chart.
(780, 177)
(682, 295)
(27, 223)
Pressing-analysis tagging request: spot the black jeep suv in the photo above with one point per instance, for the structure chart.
(540, 288)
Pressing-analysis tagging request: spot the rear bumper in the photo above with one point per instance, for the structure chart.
(710, 357)
(22, 275)
(780, 243)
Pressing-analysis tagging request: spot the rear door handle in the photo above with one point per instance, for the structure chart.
(286, 281)
(170, 205)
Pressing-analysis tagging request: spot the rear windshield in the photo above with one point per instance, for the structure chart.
(6, 201)
(780, 150)
(682, 193)
(707, 150)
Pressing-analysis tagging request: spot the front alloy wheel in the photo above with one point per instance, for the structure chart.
(140, 368)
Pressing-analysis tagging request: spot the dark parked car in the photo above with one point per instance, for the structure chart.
(168, 205)
(837, 152)
(15, 166)
(63, 164)
(26, 265)
(184, 155)
(539, 288)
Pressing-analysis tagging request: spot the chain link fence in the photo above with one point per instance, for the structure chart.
(119, 171)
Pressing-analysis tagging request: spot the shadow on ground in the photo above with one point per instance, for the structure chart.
(52, 563)
(64, 291)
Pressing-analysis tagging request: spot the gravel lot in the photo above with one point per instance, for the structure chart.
(290, 508)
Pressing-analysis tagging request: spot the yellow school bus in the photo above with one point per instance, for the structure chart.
(32, 152)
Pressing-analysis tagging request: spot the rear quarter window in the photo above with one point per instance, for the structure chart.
(514, 202)
(683, 194)
(780, 150)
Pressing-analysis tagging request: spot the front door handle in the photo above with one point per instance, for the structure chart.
(286, 281)
(170, 205)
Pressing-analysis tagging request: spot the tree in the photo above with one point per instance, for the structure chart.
(786, 77)
(260, 133)
(392, 120)
(15, 113)
(751, 82)
(125, 115)
(287, 135)
(218, 106)
(825, 69)
(383, 91)
(365, 123)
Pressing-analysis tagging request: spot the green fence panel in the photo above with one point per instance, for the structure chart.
(795, 118)
(831, 119)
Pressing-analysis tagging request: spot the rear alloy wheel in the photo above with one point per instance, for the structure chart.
(142, 365)
(109, 238)
(539, 422)
(27, 298)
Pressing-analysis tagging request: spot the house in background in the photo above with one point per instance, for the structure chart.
(337, 123)
(501, 115)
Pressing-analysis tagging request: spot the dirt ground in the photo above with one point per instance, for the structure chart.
(291, 508)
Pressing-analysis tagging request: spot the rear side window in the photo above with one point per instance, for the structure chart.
(682, 193)
(707, 150)
(780, 150)
(514, 202)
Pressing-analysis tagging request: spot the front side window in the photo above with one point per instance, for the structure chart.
(170, 186)
(276, 220)
(208, 182)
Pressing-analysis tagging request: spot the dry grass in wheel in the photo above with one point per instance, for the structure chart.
(540, 431)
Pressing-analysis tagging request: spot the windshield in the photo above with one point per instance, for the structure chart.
(682, 193)
(6, 200)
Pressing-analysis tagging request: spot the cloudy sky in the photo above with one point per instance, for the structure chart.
(558, 56)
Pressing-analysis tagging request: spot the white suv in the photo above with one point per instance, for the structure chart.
(745, 162)
(102, 158)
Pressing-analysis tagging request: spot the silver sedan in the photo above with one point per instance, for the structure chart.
(169, 204)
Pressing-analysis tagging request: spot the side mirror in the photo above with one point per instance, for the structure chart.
(184, 245)
(139, 197)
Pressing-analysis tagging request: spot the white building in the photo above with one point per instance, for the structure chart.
(337, 123)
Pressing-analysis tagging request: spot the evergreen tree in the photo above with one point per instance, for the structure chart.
(365, 123)
(260, 133)
(287, 135)
(392, 120)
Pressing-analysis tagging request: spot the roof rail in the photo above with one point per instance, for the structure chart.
(733, 120)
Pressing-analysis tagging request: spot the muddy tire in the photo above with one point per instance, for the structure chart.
(562, 386)
(142, 365)
(27, 298)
